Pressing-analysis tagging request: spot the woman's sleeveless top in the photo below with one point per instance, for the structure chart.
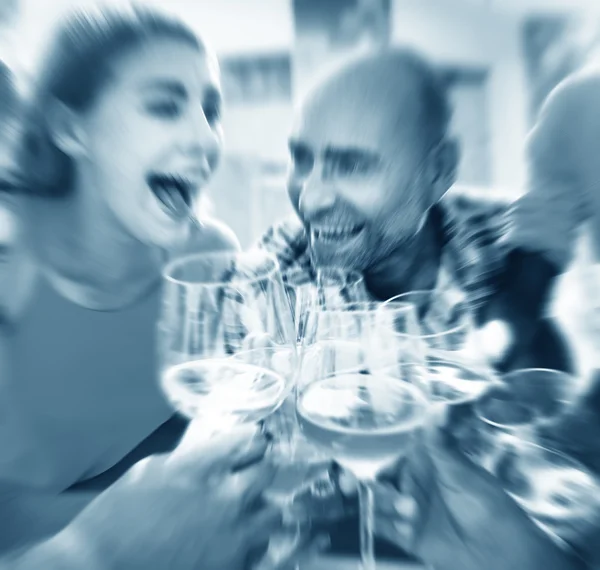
(82, 390)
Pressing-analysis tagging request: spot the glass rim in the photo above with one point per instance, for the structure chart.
(552, 371)
(503, 426)
(528, 444)
(256, 349)
(497, 384)
(395, 298)
(353, 277)
(353, 307)
(180, 261)
(395, 301)
(393, 373)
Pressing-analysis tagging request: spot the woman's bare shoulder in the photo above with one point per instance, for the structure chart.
(212, 235)
(215, 236)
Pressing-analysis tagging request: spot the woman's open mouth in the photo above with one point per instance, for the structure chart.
(174, 193)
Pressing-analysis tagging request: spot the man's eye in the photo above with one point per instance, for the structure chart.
(302, 160)
(349, 166)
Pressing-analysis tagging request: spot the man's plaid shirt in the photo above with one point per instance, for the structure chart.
(475, 245)
(473, 234)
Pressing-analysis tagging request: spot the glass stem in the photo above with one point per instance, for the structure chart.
(366, 502)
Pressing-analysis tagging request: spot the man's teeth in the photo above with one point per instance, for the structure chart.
(336, 233)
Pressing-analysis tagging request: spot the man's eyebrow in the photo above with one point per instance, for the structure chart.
(293, 141)
(296, 145)
(351, 152)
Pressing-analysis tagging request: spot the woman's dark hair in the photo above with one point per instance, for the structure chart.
(74, 71)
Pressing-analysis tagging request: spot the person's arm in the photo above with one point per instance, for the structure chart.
(528, 281)
(179, 510)
(523, 294)
(511, 287)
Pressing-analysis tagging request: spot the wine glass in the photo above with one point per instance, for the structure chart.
(294, 471)
(331, 287)
(347, 404)
(526, 399)
(560, 494)
(521, 404)
(546, 392)
(214, 306)
(458, 373)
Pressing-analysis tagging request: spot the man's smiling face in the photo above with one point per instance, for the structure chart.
(356, 174)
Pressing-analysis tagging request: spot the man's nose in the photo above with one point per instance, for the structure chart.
(317, 195)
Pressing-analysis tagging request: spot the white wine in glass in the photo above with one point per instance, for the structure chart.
(223, 391)
(364, 421)
(215, 306)
(349, 405)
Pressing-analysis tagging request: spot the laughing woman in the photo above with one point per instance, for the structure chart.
(125, 134)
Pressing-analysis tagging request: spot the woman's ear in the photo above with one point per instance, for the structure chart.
(65, 130)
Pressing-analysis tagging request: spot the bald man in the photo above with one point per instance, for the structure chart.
(564, 184)
(563, 195)
(371, 164)
(562, 202)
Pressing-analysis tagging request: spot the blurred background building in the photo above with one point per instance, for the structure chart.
(501, 58)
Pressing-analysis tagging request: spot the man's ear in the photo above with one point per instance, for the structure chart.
(443, 166)
(65, 129)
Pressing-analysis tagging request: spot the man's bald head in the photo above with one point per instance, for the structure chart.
(399, 84)
(564, 170)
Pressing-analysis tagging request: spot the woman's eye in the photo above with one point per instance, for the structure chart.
(166, 109)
